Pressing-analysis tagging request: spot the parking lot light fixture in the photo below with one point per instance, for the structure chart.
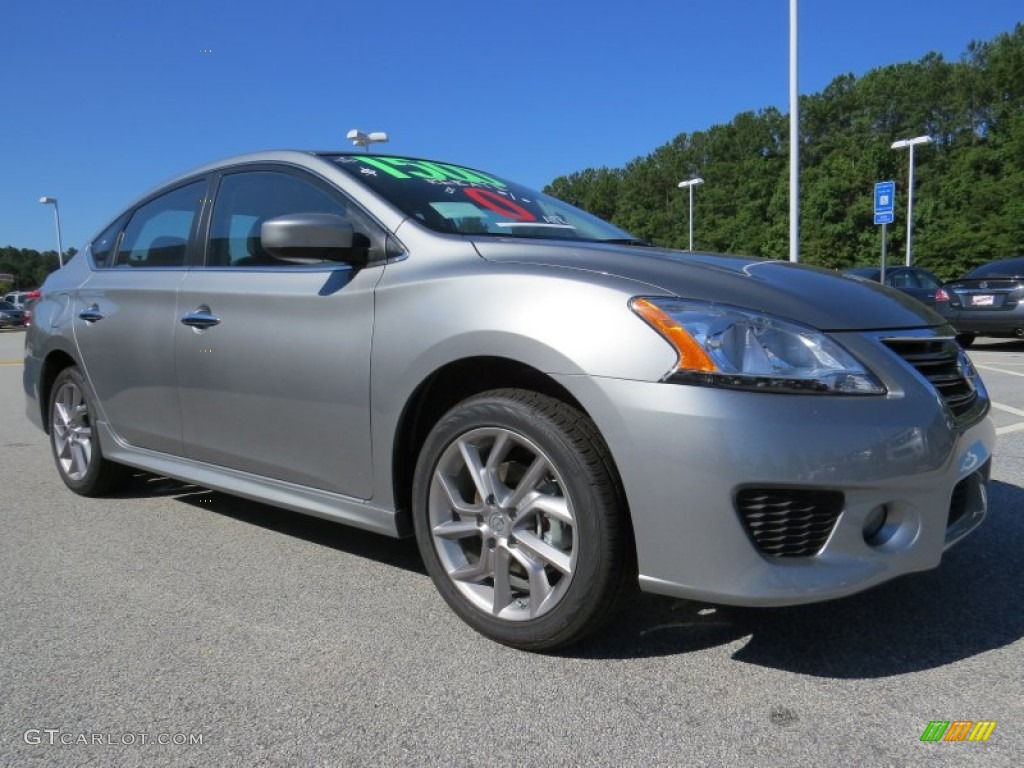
(364, 140)
(56, 215)
(904, 144)
(690, 184)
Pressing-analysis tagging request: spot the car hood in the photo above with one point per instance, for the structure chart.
(810, 295)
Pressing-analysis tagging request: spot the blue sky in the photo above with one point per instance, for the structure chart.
(103, 100)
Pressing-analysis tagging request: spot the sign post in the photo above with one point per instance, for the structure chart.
(885, 202)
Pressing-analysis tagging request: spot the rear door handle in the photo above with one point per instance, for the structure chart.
(91, 315)
(200, 319)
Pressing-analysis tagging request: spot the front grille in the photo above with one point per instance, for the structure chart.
(789, 522)
(958, 502)
(938, 360)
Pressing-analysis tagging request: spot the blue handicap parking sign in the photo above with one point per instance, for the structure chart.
(885, 197)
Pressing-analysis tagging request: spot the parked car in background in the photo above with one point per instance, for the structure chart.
(11, 316)
(917, 282)
(987, 301)
(23, 300)
(557, 410)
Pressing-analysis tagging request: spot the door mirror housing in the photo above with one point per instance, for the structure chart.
(311, 238)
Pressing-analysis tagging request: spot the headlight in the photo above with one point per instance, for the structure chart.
(723, 346)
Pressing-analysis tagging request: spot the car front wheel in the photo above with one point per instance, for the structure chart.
(73, 439)
(520, 519)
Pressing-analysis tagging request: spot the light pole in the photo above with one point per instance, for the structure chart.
(690, 184)
(794, 138)
(901, 144)
(364, 140)
(56, 215)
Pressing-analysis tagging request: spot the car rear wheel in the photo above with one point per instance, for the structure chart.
(73, 439)
(520, 520)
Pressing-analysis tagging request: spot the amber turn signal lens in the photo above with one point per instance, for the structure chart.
(691, 356)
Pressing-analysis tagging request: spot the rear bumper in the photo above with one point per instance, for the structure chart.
(994, 321)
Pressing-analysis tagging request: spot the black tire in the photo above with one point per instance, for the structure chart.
(541, 550)
(965, 339)
(74, 441)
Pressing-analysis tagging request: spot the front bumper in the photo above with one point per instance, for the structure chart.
(684, 454)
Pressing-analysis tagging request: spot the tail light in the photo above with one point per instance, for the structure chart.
(941, 295)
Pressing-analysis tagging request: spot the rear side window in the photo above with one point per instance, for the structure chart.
(157, 234)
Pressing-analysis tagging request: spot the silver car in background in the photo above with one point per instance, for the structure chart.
(556, 410)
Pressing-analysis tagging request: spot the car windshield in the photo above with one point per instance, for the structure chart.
(453, 199)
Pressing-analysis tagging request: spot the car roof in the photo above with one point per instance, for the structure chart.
(317, 161)
(285, 155)
(1013, 267)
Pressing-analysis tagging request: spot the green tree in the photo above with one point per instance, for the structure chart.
(969, 184)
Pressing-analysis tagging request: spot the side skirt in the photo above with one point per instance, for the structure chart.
(298, 498)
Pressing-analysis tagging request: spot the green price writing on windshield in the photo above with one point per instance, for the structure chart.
(403, 168)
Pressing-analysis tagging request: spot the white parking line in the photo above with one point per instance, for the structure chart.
(1017, 427)
(998, 370)
(1008, 409)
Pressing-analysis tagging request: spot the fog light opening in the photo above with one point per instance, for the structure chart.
(874, 524)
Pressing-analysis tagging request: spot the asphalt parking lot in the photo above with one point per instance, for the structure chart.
(175, 626)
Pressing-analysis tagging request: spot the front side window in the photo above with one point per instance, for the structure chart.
(453, 199)
(157, 234)
(246, 200)
(102, 248)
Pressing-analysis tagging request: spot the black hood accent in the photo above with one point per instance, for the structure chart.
(810, 295)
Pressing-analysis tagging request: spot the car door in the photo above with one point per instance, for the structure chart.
(916, 283)
(125, 315)
(273, 357)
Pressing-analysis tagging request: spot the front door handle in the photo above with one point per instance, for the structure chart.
(92, 314)
(200, 319)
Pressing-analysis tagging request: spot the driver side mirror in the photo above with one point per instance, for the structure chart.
(311, 238)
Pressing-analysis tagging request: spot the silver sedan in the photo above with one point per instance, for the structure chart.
(557, 410)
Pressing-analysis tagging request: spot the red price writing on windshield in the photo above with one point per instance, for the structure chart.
(502, 206)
